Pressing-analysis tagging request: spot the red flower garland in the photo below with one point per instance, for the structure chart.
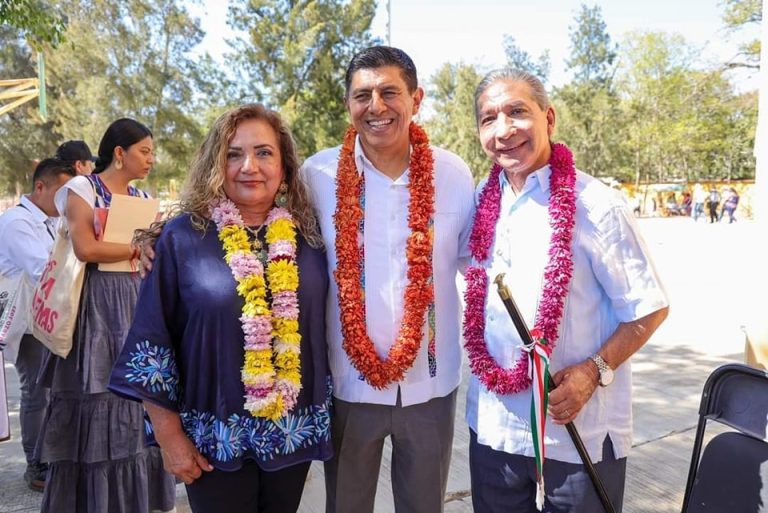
(419, 291)
(557, 274)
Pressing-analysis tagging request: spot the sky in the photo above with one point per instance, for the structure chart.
(433, 32)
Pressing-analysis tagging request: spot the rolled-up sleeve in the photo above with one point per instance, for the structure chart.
(623, 267)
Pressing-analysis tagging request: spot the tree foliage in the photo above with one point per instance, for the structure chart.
(592, 52)
(589, 105)
(740, 15)
(680, 120)
(453, 125)
(294, 56)
(136, 59)
(38, 21)
(647, 109)
(519, 58)
(644, 110)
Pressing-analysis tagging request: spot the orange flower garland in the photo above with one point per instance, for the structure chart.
(350, 263)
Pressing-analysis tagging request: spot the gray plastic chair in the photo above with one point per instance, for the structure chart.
(731, 476)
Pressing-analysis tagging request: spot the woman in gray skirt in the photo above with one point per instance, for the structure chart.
(93, 440)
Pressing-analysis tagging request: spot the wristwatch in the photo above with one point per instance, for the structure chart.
(606, 373)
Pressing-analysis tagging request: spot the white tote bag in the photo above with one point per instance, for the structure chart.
(57, 297)
(5, 421)
(15, 301)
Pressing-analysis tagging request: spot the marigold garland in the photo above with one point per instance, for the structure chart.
(271, 368)
(418, 293)
(557, 274)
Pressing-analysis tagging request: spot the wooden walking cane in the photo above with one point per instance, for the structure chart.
(525, 335)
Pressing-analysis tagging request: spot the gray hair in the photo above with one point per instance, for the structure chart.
(512, 75)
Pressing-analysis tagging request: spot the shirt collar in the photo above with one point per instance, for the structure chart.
(540, 177)
(37, 214)
(361, 162)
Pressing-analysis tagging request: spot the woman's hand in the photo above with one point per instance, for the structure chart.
(146, 257)
(182, 459)
(180, 456)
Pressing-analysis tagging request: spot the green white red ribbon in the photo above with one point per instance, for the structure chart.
(538, 354)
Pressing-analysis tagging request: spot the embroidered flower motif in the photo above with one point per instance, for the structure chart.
(296, 430)
(234, 437)
(154, 367)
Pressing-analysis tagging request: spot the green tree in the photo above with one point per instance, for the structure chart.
(453, 126)
(682, 123)
(24, 136)
(743, 14)
(590, 117)
(38, 21)
(520, 59)
(136, 59)
(592, 52)
(294, 56)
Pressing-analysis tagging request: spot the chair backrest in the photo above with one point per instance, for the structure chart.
(737, 395)
(728, 478)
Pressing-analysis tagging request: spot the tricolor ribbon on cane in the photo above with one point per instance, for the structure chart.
(538, 371)
(538, 367)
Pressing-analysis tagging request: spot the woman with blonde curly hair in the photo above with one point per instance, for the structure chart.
(227, 348)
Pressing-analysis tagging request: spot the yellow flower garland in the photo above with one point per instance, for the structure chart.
(278, 368)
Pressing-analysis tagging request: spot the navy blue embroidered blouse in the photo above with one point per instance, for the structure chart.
(184, 352)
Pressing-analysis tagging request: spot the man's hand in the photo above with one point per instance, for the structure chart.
(182, 459)
(574, 386)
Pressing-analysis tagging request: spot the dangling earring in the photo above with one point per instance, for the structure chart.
(282, 195)
(118, 164)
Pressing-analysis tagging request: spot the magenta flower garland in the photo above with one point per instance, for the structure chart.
(557, 274)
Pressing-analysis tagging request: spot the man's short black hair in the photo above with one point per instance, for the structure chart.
(48, 170)
(379, 56)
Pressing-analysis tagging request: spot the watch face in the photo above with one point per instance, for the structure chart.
(606, 377)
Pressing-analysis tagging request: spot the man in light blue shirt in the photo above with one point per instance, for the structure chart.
(27, 231)
(612, 304)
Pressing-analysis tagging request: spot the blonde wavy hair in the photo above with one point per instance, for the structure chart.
(205, 181)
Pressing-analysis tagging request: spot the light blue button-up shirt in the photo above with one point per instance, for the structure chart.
(613, 281)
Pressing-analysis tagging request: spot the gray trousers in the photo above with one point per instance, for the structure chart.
(34, 398)
(421, 436)
(503, 482)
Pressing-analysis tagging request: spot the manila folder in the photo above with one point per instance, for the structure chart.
(126, 215)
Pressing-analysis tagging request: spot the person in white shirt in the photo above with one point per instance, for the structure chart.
(27, 231)
(580, 273)
(395, 214)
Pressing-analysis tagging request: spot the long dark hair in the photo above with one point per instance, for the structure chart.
(124, 132)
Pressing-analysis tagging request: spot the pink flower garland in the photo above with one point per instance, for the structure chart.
(557, 274)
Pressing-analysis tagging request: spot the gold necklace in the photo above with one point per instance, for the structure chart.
(256, 243)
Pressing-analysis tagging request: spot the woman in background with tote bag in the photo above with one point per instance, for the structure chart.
(92, 439)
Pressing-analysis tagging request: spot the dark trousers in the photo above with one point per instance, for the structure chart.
(249, 490)
(34, 398)
(504, 482)
(421, 436)
(713, 212)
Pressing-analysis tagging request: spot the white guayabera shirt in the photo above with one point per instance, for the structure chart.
(386, 232)
(613, 281)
